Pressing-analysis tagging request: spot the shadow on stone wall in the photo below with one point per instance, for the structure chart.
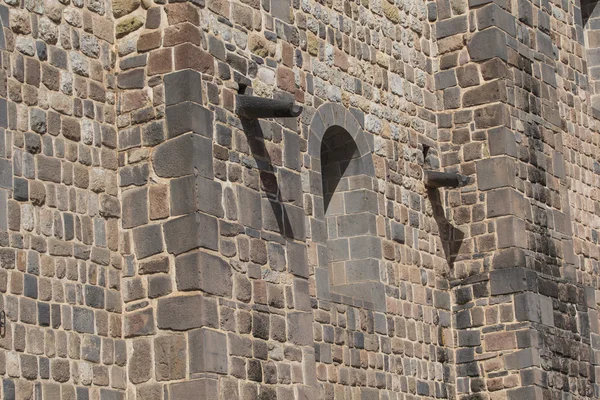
(451, 237)
(268, 174)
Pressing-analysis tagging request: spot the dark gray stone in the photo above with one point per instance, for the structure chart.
(83, 320)
(183, 86)
(487, 44)
(203, 271)
(147, 240)
(135, 207)
(249, 205)
(208, 351)
(182, 313)
(184, 155)
(208, 196)
(190, 232)
(189, 117)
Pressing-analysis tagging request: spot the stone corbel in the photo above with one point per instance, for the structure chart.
(251, 107)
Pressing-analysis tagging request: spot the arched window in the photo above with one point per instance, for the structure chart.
(352, 247)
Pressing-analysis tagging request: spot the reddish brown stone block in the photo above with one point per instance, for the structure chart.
(189, 56)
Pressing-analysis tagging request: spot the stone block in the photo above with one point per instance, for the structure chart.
(203, 271)
(300, 328)
(182, 86)
(147, 241)
(483, 94)
(135, 207)
(250, 206)
(170, 356)
(290, 187)
(159, 285)
(511, 232)
(494, 16)
(362, 247)
(512, 280)
(48, 169)
(501, 141)
(195, 389)
(209, 196)
(491, 116)
(140, 362)
(522, 359)
(181, 313)
(83, 320)
(294, 222)
(505, 201)
(358, 201)
(139, 323)
(184, 155)
(495, 172)
(508, 258)
(362, 270)
(297, 260)
(208, 351)
(183, 195)
(356, 225)
(282, 9)
(487, 44)
(189, 117)
(451, 26)
(190, 232)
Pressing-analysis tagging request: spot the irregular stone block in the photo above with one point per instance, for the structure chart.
(139, 323)
(487, 44)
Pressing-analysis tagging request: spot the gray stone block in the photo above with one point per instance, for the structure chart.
(297, 260)
(501, 141)
(202, 271)
(294, 222)
(182, 86)
(189, 117)
(183, 195)
(494, 16)
(6, 173)
(291, 150)
(505, 201)
(208, 351)
(94, 296)
(139, 323)
(487, 44)
(451, 26)
(397, 232)
(511, 232)
(358, 201)
(184, 155)
(195, 389)
(357, 224)
(282, 9)
(512, 280)
(362, 247)
(508, 258)
(147, 241)
(290, 187)
(249, 206)
(83, 320)
(521, 359)
(135, 207)
(300, 328)
(183, 313)
(495, 173)
(362, 270)
(208, 196)
(190, 232)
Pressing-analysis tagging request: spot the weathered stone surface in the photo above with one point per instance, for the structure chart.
(191, 232)
(121, 8)
(128, 25)
(203, 271)
(140, 363)
(208, 351)
(183, 313)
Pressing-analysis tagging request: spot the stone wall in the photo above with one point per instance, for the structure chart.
(154, 245)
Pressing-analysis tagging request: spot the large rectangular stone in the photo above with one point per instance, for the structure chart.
(494, 16)
(512, 280)
(202, 271)
(208, 351)
(488, 43)
(189, 117)
(209, 196)
(6, 173)
(185, 155)
(147, 241)
(511, 232)
(194, 390)
(495, 172)
(296, 259)
(505, 201)
(182, 86)
(249, 207)
(181, 313)
(190, 232)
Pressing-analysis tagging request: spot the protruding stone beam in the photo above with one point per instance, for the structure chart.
(251, 107)
(436, 179)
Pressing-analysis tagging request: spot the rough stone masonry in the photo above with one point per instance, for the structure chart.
(156, 246)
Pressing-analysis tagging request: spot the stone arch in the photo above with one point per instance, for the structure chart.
(345, 204)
